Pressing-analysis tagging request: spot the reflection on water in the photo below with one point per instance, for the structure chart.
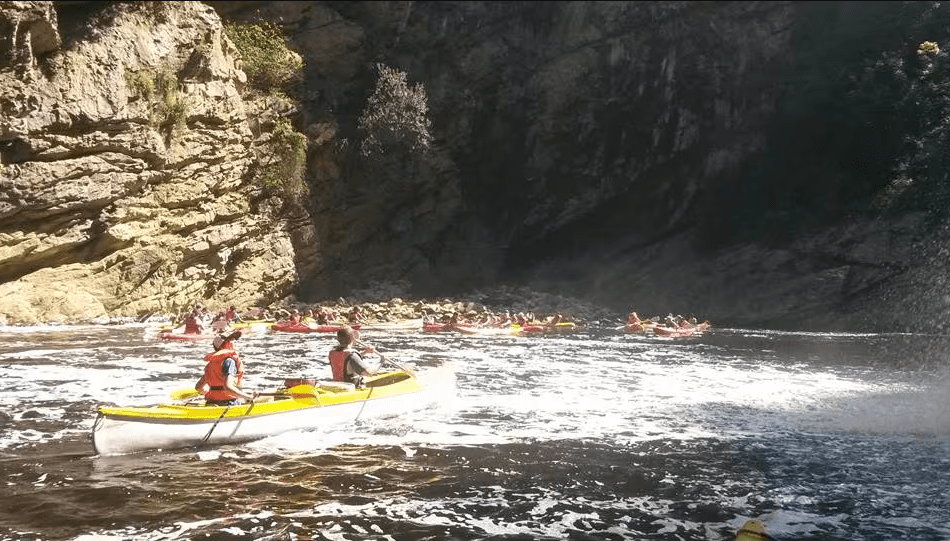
(595, 435)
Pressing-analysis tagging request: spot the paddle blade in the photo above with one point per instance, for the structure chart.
(184, 394)
(301, 391)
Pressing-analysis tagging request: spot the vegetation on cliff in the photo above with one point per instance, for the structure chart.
(266, 59)
(396, 115)
(168, 110)
(272, 67)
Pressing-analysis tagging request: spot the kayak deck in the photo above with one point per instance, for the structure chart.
(304, 396)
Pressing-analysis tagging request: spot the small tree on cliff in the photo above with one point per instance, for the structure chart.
(285, 161)
(271, 67)
(266, 59)
(396, 116)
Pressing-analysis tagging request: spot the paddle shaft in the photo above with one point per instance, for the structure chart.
(297, 391)
(384, 358)
(223, 413)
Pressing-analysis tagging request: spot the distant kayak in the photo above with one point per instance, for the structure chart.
(472, 330)
(252, 324)
(286, 326)
(171, 334)
(390, 326)
(436, 327)
(639, 328)
(537, 327)
(692, 330)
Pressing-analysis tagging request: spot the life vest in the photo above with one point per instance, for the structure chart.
(214, 374)
(191, 326)
(338, 363)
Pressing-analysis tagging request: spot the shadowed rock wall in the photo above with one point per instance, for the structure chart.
(715, 158)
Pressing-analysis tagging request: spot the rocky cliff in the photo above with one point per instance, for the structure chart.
(757, 164)
(123, 197)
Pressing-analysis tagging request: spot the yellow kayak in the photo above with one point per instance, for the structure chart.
(120, 430)
(752, 530)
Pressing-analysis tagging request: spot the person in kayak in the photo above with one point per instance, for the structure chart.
(221, 382)
(346, 363)
(191, 323)
(231, 314)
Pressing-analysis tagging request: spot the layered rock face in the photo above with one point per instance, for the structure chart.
(124, 156)
(724, 159)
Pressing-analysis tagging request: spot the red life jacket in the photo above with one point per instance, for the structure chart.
(338, 363)
(191, 326)
(214, 374)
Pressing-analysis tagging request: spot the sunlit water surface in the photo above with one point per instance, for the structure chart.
(592, 435)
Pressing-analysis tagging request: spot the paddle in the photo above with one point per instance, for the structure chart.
(297, 391)
(218, 420)
(384, 358)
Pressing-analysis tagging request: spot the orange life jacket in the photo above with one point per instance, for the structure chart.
(214, 374)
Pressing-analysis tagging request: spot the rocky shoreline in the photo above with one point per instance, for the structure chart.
(495, 301)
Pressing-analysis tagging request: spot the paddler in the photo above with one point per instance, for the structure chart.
(221, 382)
(346, 363)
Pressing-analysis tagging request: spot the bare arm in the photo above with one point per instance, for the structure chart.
(231, 385)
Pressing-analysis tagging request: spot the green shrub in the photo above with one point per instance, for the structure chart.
(141, 82)
(167, 107)
(396, 115)
(172, 111)
(284, 159)
(268, 62)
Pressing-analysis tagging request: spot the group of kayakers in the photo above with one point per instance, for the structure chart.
(637, 324)
(487, 319)
(196, 320)
(222, 381)
(323, 316)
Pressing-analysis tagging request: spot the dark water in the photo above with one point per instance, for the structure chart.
(595, 435)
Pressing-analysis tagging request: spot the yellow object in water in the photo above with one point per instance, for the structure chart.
(752, 530)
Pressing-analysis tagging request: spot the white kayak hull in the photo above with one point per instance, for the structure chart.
(115, 434)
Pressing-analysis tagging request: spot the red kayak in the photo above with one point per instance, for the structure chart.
(639, 328)
(436, 327)
(537, 327)
(286, 326)
(660, 330)
(168, 334)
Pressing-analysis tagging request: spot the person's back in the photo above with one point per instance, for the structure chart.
(191, 324)
(346, 364)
